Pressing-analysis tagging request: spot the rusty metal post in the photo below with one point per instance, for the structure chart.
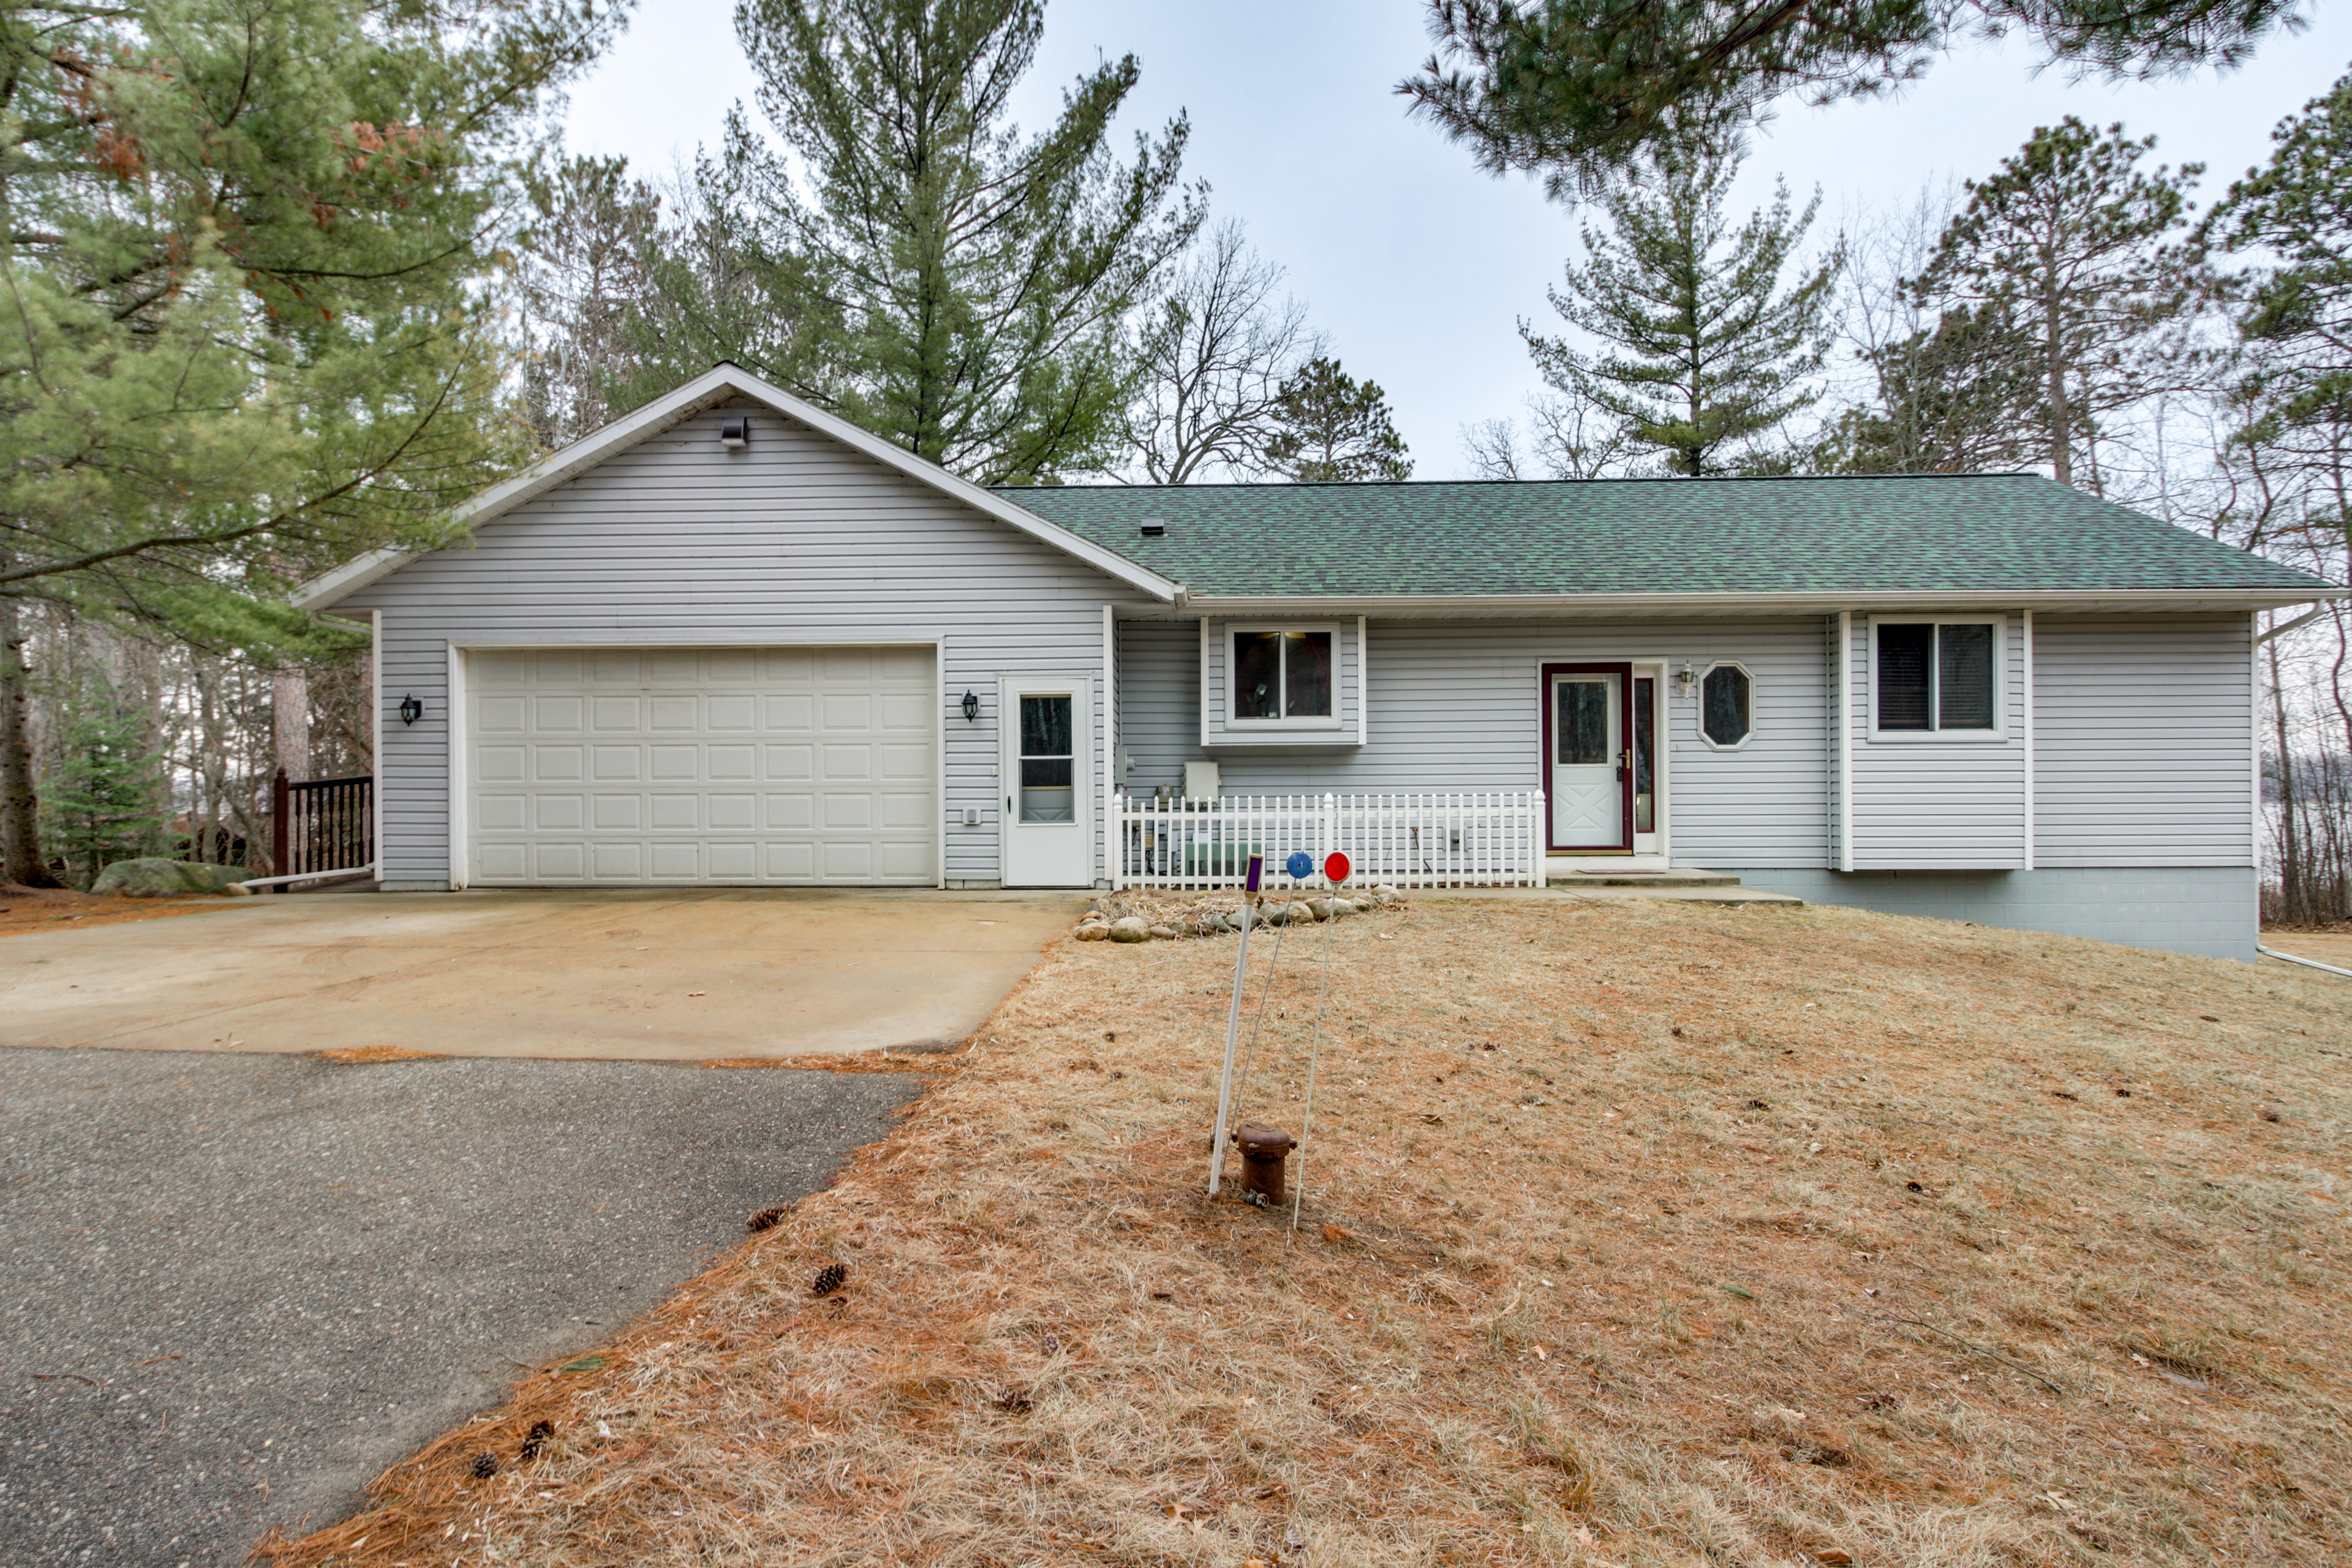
(1265, 1150)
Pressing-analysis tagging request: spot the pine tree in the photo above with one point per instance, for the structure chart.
(972, 285)
(246, 322)
(1586, 89)
(2294, 312)
(1705, 355)
(1332, 427)
(1957, 398)
(2066, 245)
(105, 800)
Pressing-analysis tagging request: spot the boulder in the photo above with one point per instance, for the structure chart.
(1130, 928)
(1092, 930)
(152, 877)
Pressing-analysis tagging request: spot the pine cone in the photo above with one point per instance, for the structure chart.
(766, 1218)
(829, 1279)
(541, 1432)
(486, 1465)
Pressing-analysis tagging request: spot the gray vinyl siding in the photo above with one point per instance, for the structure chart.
(796, 541)
(2144, 740)
(1931, 804)
(1455, 705)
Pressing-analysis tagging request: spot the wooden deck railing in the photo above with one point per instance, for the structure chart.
(320, 824)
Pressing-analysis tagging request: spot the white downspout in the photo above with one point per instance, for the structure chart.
(1845, 740)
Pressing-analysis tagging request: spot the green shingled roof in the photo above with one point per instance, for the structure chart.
(1970, 533)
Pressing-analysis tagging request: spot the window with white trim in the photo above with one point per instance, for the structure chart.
(1282, 675)
(1726, 706)
(1937, 677)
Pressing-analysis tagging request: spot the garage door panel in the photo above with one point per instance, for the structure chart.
(848, 765)
(557, 764)
(501, 765)
(503, 716)
(561, 715)
(560, 862)
(617, 765)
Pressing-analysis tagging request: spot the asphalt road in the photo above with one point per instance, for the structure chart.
(234, 1287)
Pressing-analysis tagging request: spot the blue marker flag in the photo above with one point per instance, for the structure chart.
(1301, 865)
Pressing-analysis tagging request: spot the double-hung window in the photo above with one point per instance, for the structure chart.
(1283, 675)
(1937, 677)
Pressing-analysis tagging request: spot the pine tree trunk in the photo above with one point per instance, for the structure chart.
(2061, 434)
(20, 801)
(289, 720)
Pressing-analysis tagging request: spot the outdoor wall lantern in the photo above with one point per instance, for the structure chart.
(971, 706)
(735, 432)
(1685, 680)
(412, 708)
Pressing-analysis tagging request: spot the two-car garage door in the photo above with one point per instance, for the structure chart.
(718, 765)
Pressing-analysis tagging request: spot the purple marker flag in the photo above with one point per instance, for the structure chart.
(1256, 872)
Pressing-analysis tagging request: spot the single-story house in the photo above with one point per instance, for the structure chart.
(732, 639)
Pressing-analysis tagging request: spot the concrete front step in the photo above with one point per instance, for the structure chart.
(1567, 870)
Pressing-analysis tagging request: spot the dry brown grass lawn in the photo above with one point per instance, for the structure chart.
(1658, 1234)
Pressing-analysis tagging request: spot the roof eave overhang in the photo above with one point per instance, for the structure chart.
(1584, 605)
(705, 391)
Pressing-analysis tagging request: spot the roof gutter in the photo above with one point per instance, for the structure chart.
(1802, 603)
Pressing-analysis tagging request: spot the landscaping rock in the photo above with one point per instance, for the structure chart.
(1130, 928)
(152, 877)
(1164, 933)
(1093, 930)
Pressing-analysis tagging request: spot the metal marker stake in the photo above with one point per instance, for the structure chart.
(1232, 1027)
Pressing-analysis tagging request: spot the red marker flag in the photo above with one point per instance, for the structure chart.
(1336, 867)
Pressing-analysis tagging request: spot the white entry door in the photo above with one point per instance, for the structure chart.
(1587, 761)
(1048, 838)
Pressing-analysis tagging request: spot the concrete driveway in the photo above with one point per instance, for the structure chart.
(661, 976)
(233, 1288)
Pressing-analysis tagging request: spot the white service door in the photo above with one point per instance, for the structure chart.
(1588, 790)
(713, 765)
(1047, 728)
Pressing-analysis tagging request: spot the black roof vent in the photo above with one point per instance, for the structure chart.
(1153, 527)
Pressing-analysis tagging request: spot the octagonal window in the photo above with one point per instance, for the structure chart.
(1726, 706)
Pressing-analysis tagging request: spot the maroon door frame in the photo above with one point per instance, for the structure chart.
(1625, 672)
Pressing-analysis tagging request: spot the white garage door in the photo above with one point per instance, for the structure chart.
(725, 765)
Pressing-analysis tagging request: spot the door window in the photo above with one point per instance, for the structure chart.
(1645, 797)
(1581, 730)
(1048, 764)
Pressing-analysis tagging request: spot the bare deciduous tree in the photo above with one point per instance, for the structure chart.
(1212, 356)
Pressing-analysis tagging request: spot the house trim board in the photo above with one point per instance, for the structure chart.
(2025, 722)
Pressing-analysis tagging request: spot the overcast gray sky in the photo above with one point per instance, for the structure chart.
(1417, 265)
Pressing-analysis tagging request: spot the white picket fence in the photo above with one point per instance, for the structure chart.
(1493, 839)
